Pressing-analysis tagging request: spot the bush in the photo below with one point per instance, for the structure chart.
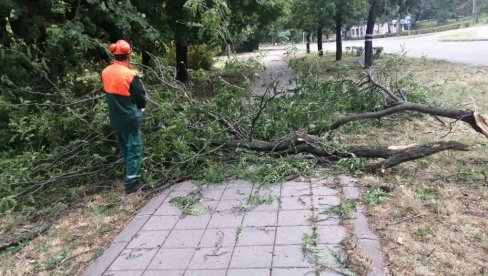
(200, 56)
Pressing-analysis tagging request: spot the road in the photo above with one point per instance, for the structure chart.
(429, 46)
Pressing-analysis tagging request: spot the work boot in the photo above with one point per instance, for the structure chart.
(141, 187)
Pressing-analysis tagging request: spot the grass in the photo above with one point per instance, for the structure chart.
(342, 210)
(187, 204)
(468, 35)
(79, 235)
(437, 206)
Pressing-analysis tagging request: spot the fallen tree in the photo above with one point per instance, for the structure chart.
(189, 136)
(299, 143)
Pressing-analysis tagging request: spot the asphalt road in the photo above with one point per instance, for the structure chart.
(429, 46)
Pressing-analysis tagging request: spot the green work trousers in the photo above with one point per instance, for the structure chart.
(131, 146)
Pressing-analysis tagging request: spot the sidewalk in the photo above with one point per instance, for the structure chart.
(227, 240)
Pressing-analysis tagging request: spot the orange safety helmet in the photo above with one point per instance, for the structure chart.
(121, 47)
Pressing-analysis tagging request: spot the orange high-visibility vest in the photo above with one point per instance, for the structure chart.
(117, 78)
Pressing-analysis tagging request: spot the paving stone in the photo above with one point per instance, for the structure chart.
(219, 237)
(211, 258)
(248, 272)
(321, 220)
(236, 194)
(213, 186)
(331, 234)
(133, 259)
(153, 205)
(131, 229)
(164, 273)
(183, 238)
(368, 241)
(361, 225)
(187, 186)
(297, 182)
(303, 202)
(295, 191)
(208, 206)
(175, 194)
(104, 261)
(325, 202)
(293, 272)
(123, 273)
(265, 218)
(323, 190)
(221, 220)
(193, 222)
(330, 253)
(290, 235)
(351, 193)
(266, 207)
(290, 256)
(256, 236)
(238, 184)
(347, 181)
(294, 218)
(212, 194)
(324, 181)
(148, 239)
(213, 272)
(267, 190)
(168, 209)
(330, 273)
(157, 223)
(227, 206)
(252, 257)
(171, 259)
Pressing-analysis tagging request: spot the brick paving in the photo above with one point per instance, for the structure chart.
(229, 239)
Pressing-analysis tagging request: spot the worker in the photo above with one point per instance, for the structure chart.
(126, 99)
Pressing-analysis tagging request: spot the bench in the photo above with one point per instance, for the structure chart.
(377, 51)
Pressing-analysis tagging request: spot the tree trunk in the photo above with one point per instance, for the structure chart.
(338, 36)
(308, 42)
(319, 41)
(476, 12)
(368, 41)
(399, 25)
(181, 61)
(146, 60)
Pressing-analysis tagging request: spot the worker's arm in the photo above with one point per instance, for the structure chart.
(137, 92)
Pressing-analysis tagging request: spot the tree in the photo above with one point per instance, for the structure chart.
(346, 13)
(312, 16)
(250, 20)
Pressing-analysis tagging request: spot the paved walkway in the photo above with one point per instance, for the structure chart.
(228, 238)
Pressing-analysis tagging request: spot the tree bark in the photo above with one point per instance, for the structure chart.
(399, 25)
(368, 41)
(392, 155)
(462, 115)
(476, 12)
(181, 61)
(146, 60)
(338, 36)
(319, 41)
(308, 42)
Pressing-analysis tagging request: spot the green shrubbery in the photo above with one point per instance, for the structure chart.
(200, 56)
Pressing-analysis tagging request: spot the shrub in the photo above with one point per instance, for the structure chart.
(200, 56)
